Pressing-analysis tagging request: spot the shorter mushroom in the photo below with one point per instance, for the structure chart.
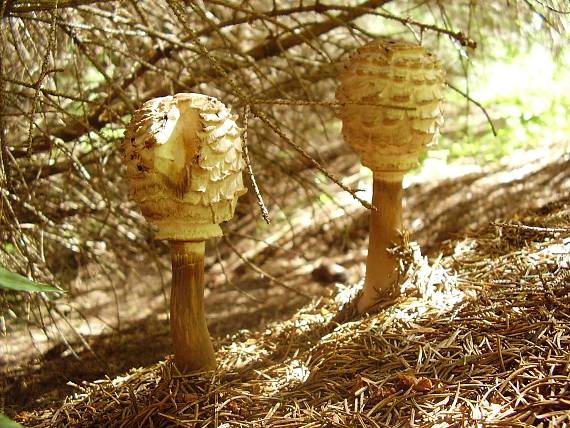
(391, 95)
(184, 167)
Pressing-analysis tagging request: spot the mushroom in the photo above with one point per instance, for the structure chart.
(184, 168)
(391, 109)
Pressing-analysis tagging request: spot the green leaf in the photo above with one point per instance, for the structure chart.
(14, 281)
(8, 423)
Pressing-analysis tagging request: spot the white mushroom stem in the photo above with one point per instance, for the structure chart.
(193, 348)
(384, 230)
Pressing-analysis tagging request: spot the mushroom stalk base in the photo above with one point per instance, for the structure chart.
(385, 225)
(193, 348)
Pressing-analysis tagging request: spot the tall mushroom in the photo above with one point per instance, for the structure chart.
(391, 96)
(184, 167)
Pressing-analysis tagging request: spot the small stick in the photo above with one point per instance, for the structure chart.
(532, 228)
(260, 202)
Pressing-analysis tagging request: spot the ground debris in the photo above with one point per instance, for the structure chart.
(479, 337)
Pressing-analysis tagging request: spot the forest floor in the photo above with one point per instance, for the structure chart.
(498, 284)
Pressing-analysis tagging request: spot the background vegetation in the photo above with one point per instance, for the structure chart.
(72, 71)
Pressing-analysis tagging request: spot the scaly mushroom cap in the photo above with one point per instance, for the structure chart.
(184, 165)
(398, 74)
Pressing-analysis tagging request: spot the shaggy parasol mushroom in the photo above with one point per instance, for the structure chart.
(391, 96)
(184, 167)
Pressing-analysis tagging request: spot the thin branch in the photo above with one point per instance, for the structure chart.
(260, 271)
(42, 6)
(332, 104)
(531, 228)
(478, 104)
(312, 161)
(263, 51)
(260, 202)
